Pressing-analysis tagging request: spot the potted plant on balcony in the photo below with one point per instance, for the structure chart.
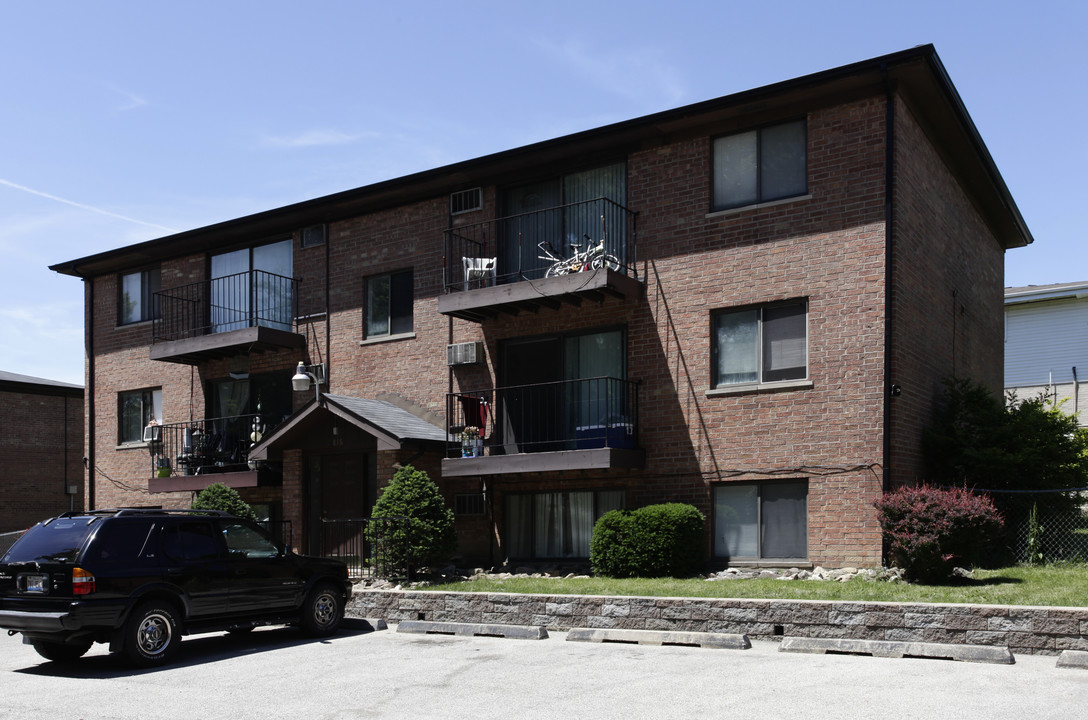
(472, 444)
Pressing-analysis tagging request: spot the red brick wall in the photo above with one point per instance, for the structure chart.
(41, 455)
(948, 295)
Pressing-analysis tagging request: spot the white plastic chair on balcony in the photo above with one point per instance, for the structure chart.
(479, 270)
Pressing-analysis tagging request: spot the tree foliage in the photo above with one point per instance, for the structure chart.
(976, 440)
(426, 534)
(218, 496)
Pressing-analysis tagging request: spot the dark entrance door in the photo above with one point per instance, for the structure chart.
(531, 400)
(339, 490)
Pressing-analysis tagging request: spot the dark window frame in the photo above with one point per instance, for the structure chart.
(761, 309)
(150, 284)
(391, 317)
(759, 485)
(760, 199)
(145, 414)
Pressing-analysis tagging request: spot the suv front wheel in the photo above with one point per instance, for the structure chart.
(151, 634)
(323, 610)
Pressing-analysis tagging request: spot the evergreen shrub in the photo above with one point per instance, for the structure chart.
(665, 540)
(218, 496)
(420, 532)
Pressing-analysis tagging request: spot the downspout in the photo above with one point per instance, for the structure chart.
(328, 319)
(889, 216)
(1076, 395)
(88, 397)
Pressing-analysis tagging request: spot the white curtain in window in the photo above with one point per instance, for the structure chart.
(738, 349)
(735, 174)
(736, 521)
(785, 526)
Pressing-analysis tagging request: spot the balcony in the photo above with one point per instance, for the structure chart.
(513, 264)
(184, 454)
(589, 424)
(246, 312)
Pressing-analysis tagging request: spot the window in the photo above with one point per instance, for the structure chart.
(389, 304)
(253, 287)
(135, 410)
(468, 504)
(555, 525)
(138, 301)
(764, 344)
(466, 201)
(760, 165)
(761, 521)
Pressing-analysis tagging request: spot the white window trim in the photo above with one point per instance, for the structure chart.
(757, 206)
(742, 388)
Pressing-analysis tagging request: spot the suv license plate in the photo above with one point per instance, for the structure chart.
(35, 583)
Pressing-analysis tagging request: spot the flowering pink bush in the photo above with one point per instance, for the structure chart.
(930, 531)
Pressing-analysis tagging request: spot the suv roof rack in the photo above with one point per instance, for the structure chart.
(118, 512)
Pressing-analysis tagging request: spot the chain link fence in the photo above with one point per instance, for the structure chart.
(1043, 527)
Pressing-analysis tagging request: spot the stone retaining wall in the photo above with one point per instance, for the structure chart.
(1028, 630)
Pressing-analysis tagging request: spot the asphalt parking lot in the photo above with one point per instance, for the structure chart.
(280, 673)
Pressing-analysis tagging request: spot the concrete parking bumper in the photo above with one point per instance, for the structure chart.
(516, 632)
(660, 637)
(892, 649)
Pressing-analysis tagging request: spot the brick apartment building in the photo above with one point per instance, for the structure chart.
(786, 276)
(41, 449)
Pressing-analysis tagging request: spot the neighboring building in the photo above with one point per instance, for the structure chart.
(794, 270)
(41, 449)
(1046, 344)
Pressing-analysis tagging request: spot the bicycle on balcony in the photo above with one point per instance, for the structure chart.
(594, 257)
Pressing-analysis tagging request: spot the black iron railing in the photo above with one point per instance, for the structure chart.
(203, 447)
(243, 300)
(508, 249)
(369, 546)
(565, 415)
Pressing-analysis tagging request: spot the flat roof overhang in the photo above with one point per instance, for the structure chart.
(532, 295)
(196, 483)
(193, 351)
(545, 462)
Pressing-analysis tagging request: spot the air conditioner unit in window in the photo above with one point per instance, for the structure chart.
(469, 353)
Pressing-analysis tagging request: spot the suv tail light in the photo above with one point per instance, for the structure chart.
(82, 582)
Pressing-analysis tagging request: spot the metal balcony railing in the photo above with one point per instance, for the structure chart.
(248, 299)
(504, 250)
(203, 447)
(565, 415)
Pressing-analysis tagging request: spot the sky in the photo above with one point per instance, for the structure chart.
(127, 121)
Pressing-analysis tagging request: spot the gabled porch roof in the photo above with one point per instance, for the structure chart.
(390, 425)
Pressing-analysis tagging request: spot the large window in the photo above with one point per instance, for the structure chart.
(389, 304)
(761, 521)
(557, 524)
(760, 165)
(253, 287)
(135, 410)
(137, 300)
(763, 344)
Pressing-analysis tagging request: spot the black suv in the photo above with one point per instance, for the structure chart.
(140, 579)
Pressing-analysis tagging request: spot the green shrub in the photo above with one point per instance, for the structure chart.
(654, 541)
(218, 496)
(930, 531)
(424, 537)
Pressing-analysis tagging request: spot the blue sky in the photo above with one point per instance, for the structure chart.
(125, 121)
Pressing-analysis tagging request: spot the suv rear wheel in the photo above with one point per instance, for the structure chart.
(61, 653)
(151, 634)
(323, 610)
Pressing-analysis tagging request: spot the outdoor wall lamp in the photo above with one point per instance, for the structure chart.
(305, 374)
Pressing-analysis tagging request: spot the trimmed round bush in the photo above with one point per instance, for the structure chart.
(930, 531)
(665, 540)
(218, 496)
(425, 536)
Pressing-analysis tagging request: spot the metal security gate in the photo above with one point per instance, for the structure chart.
(370, 547)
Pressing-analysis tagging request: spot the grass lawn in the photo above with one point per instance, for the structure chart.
(1055, 585)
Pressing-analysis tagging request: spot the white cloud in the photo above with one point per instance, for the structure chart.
(132, 101)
